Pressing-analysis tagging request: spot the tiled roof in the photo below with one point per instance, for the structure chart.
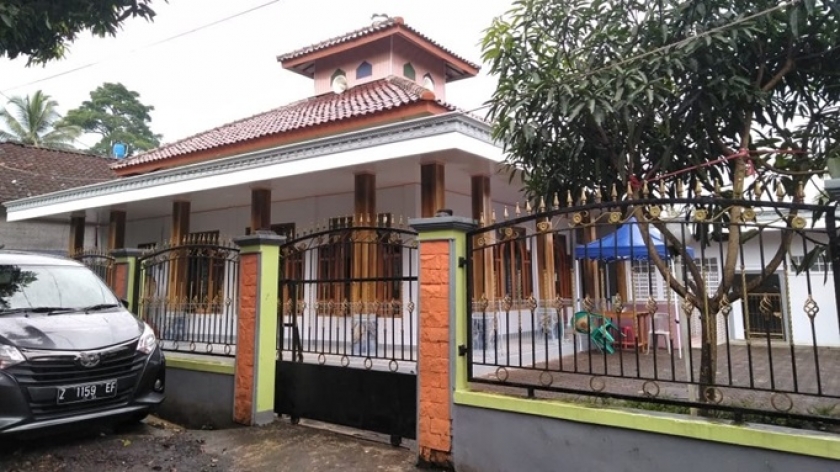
(393, 22)
(362, 100)
(27, 171)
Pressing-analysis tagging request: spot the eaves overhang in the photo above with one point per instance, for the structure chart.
(456, 131)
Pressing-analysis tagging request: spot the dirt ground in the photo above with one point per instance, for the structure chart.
(159, 446)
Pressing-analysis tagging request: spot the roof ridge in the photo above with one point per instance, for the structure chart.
(77, 152)
(391, 22)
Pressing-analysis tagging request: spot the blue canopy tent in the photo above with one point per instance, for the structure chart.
(626, 243)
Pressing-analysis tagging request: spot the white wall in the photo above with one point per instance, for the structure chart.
(794, 290)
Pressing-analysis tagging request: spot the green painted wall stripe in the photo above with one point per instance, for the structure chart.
(777, 439)
(131, 267)
(267, 329)
(460, 311)
(200, 365)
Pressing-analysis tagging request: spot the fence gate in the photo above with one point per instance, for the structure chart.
(347, 330)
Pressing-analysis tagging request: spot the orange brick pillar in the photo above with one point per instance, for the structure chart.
(442, 244)
(125, 282)
(256, 328)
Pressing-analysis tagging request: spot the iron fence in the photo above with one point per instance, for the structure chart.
(188, 294)
(348, 294)
(100, 262)
(729, 306)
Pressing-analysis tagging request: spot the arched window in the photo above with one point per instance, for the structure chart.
(408, 71)
(364, 70)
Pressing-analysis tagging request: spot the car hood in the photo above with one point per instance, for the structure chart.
(70, 331)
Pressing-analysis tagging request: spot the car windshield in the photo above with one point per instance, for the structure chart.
(27, 287)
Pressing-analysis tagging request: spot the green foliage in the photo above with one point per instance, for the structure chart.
(115, 113)
(593, 92)
(35, 120)
(42, 29)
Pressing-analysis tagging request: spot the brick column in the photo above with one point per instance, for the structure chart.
(125, 283)
(256, 330)
(442, 288)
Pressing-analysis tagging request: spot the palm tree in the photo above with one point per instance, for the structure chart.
(34, 120)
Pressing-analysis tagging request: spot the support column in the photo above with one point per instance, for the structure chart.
(442, 305)
(432, 189)
(482, 209)
(180, 222)
(545, 263)
(364, 254)
(256, 330)
(260, 209)
(116, 230)
(178, 235)
(126, 283)
(77, 235)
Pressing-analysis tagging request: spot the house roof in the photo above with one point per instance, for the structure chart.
(362, 100)
(301, 59)
(26, 171)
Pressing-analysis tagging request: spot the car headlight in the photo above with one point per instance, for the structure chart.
(148, 341)
(9, 356)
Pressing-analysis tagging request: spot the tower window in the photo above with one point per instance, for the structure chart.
(364, 70)
(408, 71)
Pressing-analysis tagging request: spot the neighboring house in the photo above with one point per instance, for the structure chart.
(28, 171)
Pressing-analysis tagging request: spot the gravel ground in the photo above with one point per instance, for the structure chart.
(160, 446)
(150, 446)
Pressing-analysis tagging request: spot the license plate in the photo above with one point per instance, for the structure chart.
(86, 392)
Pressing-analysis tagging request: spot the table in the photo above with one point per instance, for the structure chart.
(640, 322)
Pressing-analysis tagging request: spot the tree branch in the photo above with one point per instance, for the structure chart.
(789, 65)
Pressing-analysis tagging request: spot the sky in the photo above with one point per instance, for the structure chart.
(229, 71)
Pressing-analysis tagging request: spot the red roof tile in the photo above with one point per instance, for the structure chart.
(26, 171)
(365, 99)
(390, 23)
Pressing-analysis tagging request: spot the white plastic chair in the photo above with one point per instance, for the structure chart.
(660, 326)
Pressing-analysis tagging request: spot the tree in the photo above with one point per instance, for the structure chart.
(35, 120)
(594, 93)
(116, 114)
(41, 29)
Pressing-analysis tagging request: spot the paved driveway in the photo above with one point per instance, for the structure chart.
(159, 446)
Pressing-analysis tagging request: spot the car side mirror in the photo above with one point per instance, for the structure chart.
(124, 302)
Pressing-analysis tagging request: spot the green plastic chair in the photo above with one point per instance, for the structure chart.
(598, 335)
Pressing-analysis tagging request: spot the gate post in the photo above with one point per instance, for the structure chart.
(125, 281)
(256, 330)
(442, 295)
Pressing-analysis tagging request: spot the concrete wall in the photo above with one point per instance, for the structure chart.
(42, 235)
(495, 441)
(198, 399)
